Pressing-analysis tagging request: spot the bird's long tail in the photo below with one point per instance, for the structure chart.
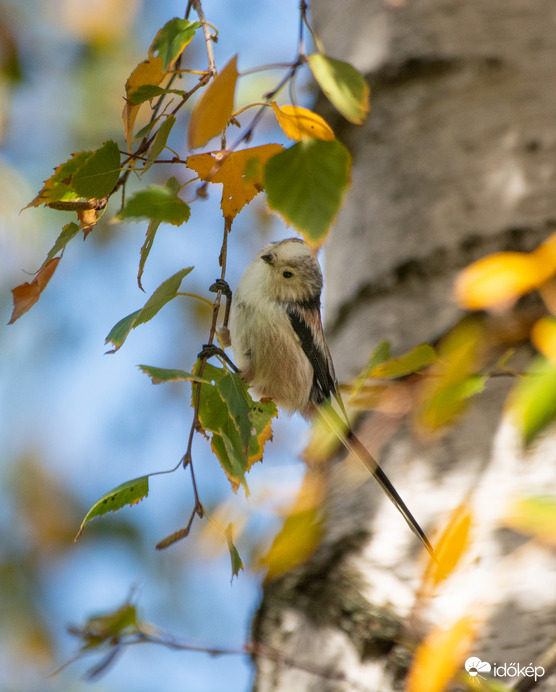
(354, 445)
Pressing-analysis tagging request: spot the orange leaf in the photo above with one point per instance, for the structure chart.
(498, 280)
(240, 172)
(213, 110)
(299, 123)
(147, 72)
(451, 545)
(440, 655)
(27, 294)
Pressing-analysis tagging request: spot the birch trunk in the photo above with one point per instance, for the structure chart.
(457, 159)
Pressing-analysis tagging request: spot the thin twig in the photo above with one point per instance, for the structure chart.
(196, 4)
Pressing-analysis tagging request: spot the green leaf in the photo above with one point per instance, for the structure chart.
(237, 562)
(146, 92)
(306, 184)
(57, 187)
(163, 294)
(171, 40)
(234, 393)
(159, 375)
(125, 494)
(68, 232)
(146, 249)
(99, 174)
(533, 400)
(343, 85)
(418, 358)
(535, 516)
(159, 142)
(157, 203)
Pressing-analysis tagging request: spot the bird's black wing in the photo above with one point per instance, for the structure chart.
(307, 326)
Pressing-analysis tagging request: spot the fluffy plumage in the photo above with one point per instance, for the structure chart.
(276, 328)
(279, 346)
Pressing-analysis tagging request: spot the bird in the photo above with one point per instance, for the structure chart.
(279, 347)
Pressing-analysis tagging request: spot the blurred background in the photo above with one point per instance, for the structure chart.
(75, 422)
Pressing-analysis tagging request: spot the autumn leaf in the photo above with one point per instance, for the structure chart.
(57, 187)
(27, 294)
(543, 336)
(97, 176)
(240, 173)
(440, 656)
(498, 280)
(301, 532)
(300, 123)
(171, 40)
(534, 516)
(450, 547)
(213, 110)
(128, 493)
(306, 185)
(343, 85)
(532, 402)
(148, 72)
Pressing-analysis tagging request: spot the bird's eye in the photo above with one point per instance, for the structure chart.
(287, 275)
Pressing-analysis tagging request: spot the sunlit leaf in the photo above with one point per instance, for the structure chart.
(306, 185)
(237, 563)
(380, 354)
(234, 393)
(300, 123)
(158, 203)
(323, 440)
(213, 110)
(450, 547)
(440, 656)
(97, 177)
(222, 414)
(163, 294)
(532, 402)
(68, 232)
(27, 294)
(534, 516)
(171, 40)
(147, 72)
(159, 142)
(57, 187)
(301, 532)
(453, 379)
(418, 358)
(128, 493)
(159, 375)
(343, 85)
(499, 280)
(241, 173)
(543, 335)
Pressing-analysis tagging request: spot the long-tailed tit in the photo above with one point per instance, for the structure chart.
(280, 349)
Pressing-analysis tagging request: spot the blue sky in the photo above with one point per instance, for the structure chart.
(92, 421)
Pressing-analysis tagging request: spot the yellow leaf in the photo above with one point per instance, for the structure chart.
(240, 173)
(543, 335)
(301, 532)
(147, 72)
(498, 280)
(534, 516)
(299, 123)
(213, 110)
(440, 655)
(451, 545)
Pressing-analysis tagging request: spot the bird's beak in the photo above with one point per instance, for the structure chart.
(267, 258)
